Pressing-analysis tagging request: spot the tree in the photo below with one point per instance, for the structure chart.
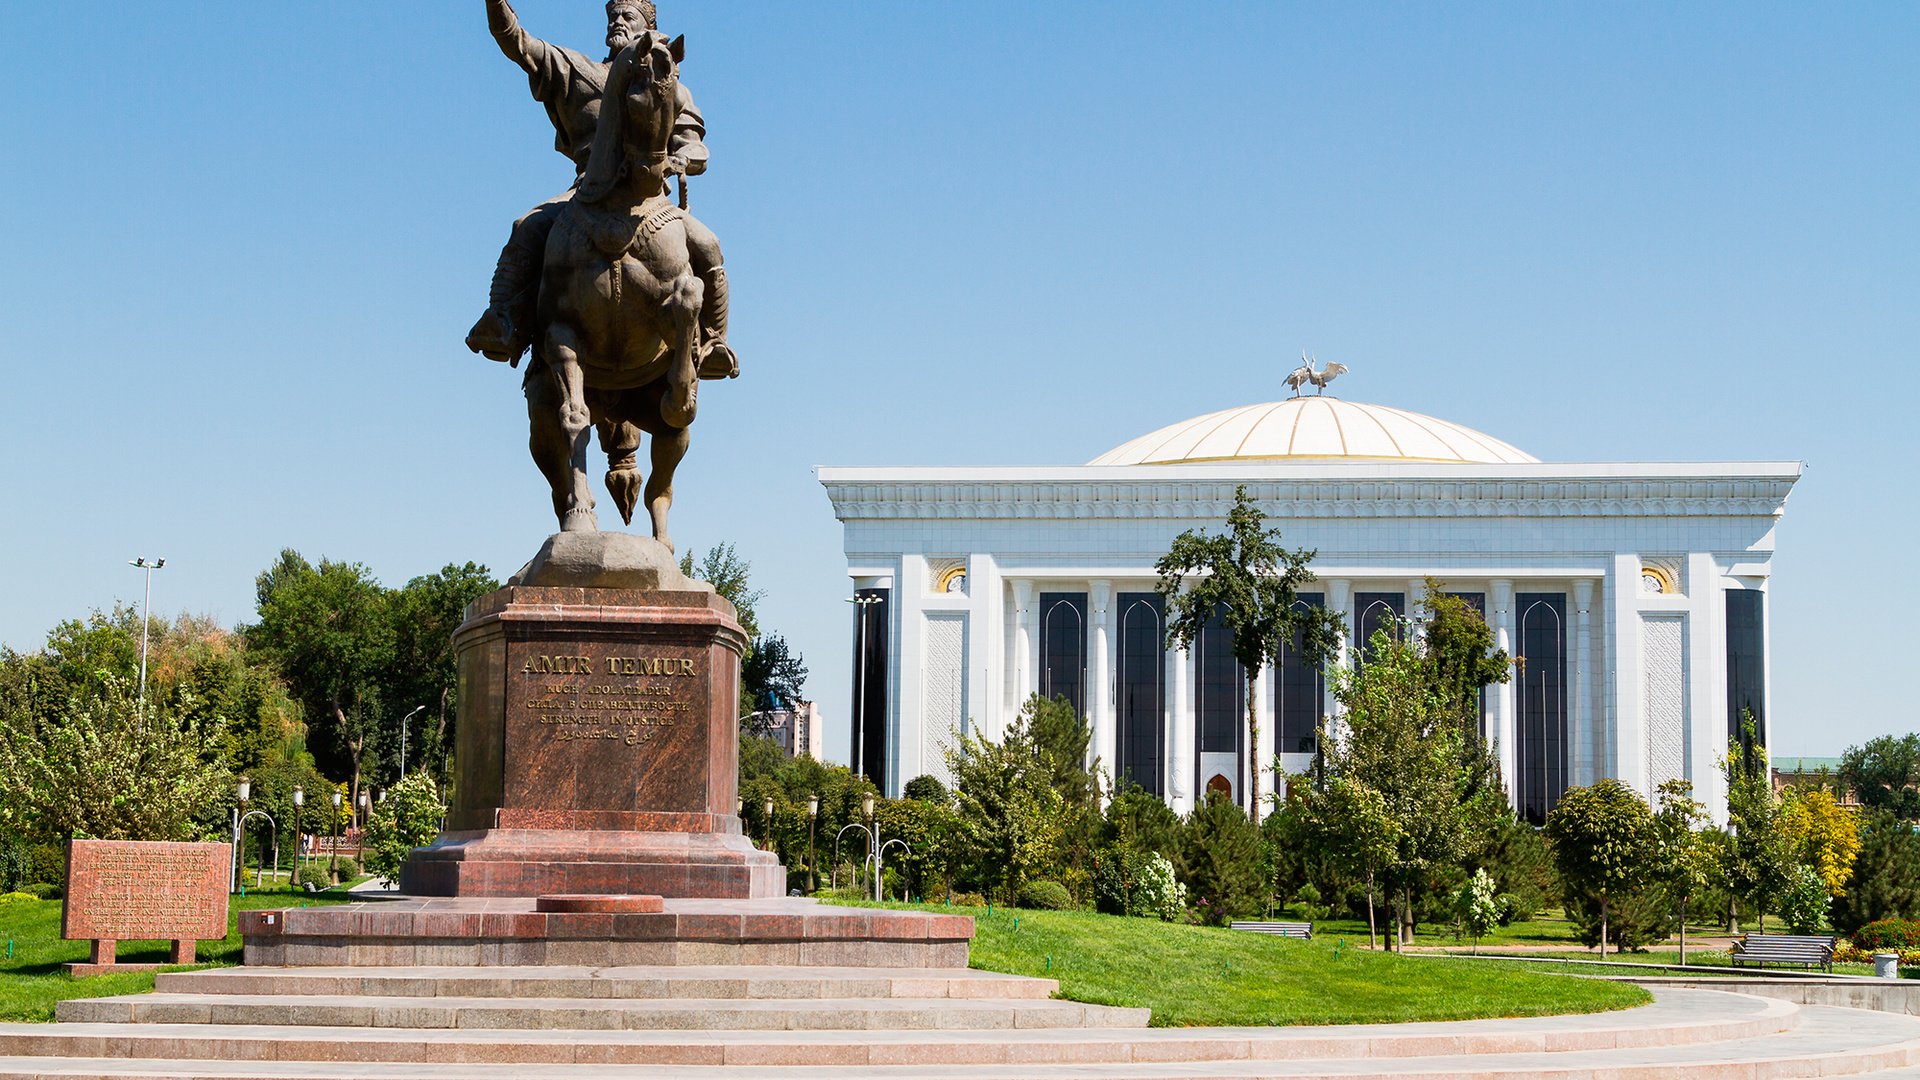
(1399, 739)
(101, 767)
(1246, 580)
(328, 630)
(771, 675)
(1220, 860)
(1353, 821)
(409, 818)
(1884, 774)
(1476, 908)
(724, 569)
(1460, 655)
(1683, 860)
(1758, 859)
(1603, 839)
(424, 670)
(1009, 809)
(1885, 882)
(1821, 834)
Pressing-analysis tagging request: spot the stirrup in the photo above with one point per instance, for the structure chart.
(720, 362)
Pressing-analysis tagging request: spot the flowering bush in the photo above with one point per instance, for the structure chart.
(1159, 892)
(1888, 935)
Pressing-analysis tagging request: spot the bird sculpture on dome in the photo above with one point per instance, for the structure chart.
(1305, 374)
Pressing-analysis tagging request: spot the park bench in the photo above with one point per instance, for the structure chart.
(1301, 930)
(1806, 950)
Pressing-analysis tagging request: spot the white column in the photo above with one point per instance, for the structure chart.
(1340, 602)
(1023, 677)
(1262, 757)
(1706, 660)
(1180, 761)
(909, 746)
(1100, 674)
(1501, 615)
(1629, 762)
(1580, 716)
(1417, 612)
(985, 644)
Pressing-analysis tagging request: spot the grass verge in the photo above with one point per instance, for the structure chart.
(1195, 976)
(32, 979)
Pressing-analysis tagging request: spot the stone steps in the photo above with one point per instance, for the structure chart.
(535, 1023)
(596, 1014)
(612, 982)
(1829, 1042)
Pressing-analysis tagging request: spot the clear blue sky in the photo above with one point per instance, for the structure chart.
(244, 241)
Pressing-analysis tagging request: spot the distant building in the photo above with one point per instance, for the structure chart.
(1812, 772)
(797, 730)
(1636, 591)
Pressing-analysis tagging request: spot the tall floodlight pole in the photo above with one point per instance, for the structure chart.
(417, 710)
(860, 606)
(149, 566)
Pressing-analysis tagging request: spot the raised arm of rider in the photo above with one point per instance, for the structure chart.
(521, 47)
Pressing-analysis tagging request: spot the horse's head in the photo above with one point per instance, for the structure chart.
(637, 113)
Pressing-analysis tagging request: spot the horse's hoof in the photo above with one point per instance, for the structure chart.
(579, 521)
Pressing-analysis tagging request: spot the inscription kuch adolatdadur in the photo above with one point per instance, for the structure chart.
(621, 700)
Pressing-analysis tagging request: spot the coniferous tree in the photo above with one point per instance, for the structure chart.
(1885, 880)
(1220, 860)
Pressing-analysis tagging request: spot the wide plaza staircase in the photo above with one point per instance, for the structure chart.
(616, 1022)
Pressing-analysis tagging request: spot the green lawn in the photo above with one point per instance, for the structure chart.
(1203, 976)
(32, 980)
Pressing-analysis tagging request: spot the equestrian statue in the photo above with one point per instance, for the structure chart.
(620, 294)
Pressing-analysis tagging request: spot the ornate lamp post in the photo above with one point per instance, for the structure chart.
(766, 826)
(243, 789)
(417, 710)
(813, 871)
(876, 848)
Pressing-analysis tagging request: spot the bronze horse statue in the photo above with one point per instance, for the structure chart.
(620, 339)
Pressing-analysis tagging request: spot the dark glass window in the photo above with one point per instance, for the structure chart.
(1746, 662)
(1541, 726)
(870, 686)
(1063, 648)
(1378, 611)
(1220, 691)
(1299, 693)
(1140, 688)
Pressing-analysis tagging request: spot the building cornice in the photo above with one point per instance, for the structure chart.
(1720, 489)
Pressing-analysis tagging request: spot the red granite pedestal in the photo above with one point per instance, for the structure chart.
(597, 750)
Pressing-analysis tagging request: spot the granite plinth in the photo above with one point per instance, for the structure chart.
(598, 902)
(597, 750)
(470, 932)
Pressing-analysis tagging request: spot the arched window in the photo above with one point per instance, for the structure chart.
(1299, 692)
(1063, 648)
(1140, 690)
(1378, 611)
(1540, 729)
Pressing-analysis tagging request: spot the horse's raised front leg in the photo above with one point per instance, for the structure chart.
(677, 406)
(576, 425)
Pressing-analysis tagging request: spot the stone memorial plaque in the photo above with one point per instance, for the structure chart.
(608, 725)
(123, 890)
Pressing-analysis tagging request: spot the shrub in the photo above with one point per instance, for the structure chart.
(15, 897)
(1633, 921)
(1509, 908)
(1116, 881)
(44, 890)
(1885, 882)
(1306, 903)
(967, 899)
(1803, 903)
(926, 789)
(1888, 934)
(349, 867)
(1159, 893)
(408, 818)
(314, 874)
(1046, 896)
(48, 862)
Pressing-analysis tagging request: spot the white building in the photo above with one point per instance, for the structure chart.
(1636, 592)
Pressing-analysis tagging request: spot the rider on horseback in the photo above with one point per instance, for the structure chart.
(570, 85)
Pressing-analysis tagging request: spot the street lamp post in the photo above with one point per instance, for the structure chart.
(860, 606)
(243, 789)
(299, 849)
(767, 827)
(813, 871)
(417, 710)
(145, 604)
(333, 869)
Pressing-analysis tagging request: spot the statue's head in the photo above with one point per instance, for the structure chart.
(627, 20)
